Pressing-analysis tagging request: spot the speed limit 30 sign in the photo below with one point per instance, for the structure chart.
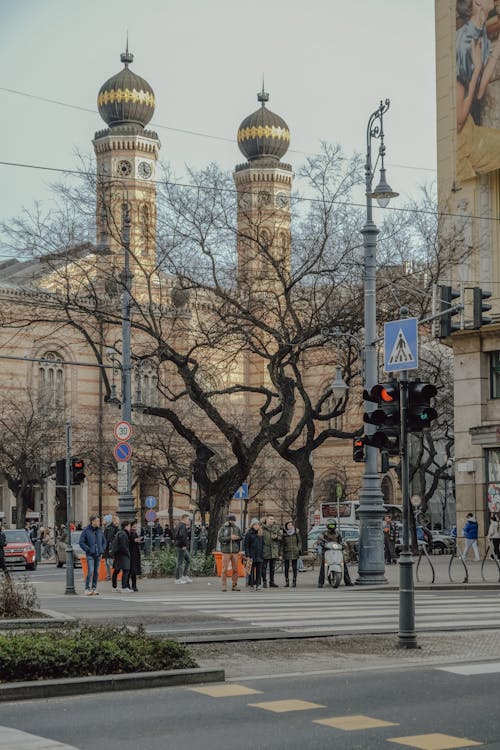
(122, 430)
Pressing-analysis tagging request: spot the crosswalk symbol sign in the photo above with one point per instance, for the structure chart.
(401, 345)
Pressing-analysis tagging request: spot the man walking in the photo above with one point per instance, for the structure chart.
(93, 543)
(471, 533)
(272, 548)
(230, 540)
(181, 541)
(3, 542)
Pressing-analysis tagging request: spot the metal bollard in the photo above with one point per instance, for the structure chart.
(147, 546)
(38, 550)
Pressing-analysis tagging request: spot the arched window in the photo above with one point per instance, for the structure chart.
(149, 385)
(125, 222)
(51, 384)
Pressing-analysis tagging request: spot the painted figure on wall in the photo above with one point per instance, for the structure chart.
(477, 53)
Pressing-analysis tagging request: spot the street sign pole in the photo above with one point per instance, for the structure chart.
(70, 569)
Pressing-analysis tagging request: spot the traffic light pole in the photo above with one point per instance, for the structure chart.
(407, 636)
(70, 568)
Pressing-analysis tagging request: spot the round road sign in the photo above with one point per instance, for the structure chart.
(150, 501)
(122, 430)
(151, 516)
(123, 452)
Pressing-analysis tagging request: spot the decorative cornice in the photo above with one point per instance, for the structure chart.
(263, 131)
(126, 95)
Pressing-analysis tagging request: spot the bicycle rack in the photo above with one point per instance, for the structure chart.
(466, 570)
(423, 553)
(487, 556)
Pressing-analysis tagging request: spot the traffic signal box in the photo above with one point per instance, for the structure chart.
(358, 449)
(479, 308)
(420, 413)
(77, 471)
(386, 417)
(447, 297)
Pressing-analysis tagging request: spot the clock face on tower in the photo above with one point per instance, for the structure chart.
(124, 168)
(282, 200)
(244, 200)
(145, 170)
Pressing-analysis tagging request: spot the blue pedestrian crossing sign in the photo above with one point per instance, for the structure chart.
(242, 492)
(401, 345)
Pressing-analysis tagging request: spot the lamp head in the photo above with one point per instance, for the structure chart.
(339, 386)
(383, 192)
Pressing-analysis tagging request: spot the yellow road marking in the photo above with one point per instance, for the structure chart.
(350, 723)
(281, 707)
(225, 691)
(435, 741)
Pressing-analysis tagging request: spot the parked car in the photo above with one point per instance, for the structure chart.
(19, 549)
(61, 549)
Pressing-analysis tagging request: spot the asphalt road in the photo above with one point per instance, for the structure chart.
(421, 708)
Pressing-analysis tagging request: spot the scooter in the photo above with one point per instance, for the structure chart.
(334, 560)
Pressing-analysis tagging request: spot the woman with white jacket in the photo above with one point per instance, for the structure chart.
(494, 534)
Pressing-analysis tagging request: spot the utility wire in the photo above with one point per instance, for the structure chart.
(233, 191)
(180, 130)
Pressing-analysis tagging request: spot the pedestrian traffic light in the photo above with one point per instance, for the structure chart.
(358, 450)
(420, 413)
(447, 295)
(61, 472)
(77, 471)
(386, 417)
(479, 307)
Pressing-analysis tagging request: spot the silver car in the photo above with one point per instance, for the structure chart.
(61, 549)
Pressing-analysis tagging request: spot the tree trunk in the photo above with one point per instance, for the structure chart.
(218, 512)
(304, 493)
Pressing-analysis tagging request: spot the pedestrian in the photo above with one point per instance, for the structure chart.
(93, 543)
(120, 549)
(331, 535)
(253, 546)
(470, 532)
(494, 534)
(109, 534)
(390, 535)
(272, 550)
(181, 541)
(167, 535)
(230, 540)
(134, 541)
(3, 542)
(292, 549)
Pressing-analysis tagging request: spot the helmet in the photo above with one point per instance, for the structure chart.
(331, 526)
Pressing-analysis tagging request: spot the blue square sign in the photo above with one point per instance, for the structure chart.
(401, 345)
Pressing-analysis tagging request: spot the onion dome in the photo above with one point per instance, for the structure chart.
(126, 97)
(263, 134)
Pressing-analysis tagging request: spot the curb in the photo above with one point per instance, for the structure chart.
(51, 620)
(16, 691)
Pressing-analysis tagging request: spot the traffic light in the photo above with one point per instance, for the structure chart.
(358, 450)
(77, 470)
(61, 472)
(479, 307)
(447, 295)
(386, 417)
(420, 412)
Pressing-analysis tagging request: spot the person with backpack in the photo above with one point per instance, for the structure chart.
(120, 551)
(292, 547)
(494, 534)
(93, 543)
(181, 542)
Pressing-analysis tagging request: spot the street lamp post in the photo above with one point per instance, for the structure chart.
(371, 549)
(126, 499)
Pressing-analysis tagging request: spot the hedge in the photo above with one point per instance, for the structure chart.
(18, 598)
(163, 563)
(91, 650)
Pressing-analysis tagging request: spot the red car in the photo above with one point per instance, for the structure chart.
(19, 549)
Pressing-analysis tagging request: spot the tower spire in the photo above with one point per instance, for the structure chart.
(263, 96)
(127, 57)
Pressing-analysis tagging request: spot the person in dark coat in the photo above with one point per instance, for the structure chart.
(3, 542)
(109, 534)
(93, 544)
(134, 540)
(253, 546)
(292, 548)
(121, 554)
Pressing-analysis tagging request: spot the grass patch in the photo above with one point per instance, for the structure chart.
(18, 598)
(163, 564)
(92, 650)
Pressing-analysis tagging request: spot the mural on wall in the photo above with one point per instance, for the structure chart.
(477, 87)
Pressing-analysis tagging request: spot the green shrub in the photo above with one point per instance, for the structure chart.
(92, 650)
(163, 564)
(18, 598)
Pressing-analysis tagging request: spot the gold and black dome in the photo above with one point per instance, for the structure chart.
(126, 98)
(263, 134)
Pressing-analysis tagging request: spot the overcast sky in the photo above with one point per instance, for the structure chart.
(327, 63)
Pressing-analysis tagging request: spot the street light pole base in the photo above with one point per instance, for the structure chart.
(407, 637)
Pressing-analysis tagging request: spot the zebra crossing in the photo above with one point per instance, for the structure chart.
(341, 611)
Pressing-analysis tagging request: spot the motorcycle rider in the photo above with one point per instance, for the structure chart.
(330, 535)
